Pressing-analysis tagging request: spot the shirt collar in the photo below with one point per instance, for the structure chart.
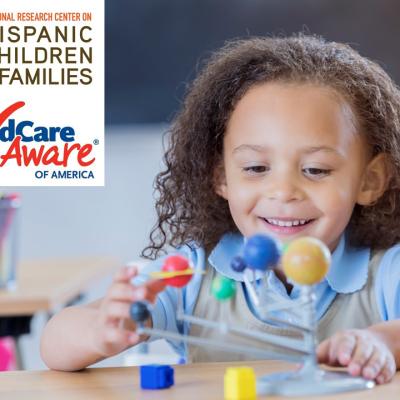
(347, 274)
(349, 268)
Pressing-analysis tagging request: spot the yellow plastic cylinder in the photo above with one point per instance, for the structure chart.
(240, 384)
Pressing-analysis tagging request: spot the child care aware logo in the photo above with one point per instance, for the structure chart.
(22, 134)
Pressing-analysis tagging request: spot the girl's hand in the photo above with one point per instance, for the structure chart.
(361, 351)
(115, 331)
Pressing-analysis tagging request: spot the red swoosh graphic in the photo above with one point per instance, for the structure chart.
(9, 110)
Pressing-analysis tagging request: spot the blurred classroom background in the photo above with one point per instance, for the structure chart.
(153, 49)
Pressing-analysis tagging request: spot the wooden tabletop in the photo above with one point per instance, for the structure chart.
(192, 382)
(45, 285)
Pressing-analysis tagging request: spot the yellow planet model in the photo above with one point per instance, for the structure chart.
(306, 261)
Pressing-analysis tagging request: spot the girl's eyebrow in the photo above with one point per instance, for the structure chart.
(315, 149)
(263, 149)
(253, 147)
(341, 153)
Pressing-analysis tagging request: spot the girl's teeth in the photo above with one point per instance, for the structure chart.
(287, 223)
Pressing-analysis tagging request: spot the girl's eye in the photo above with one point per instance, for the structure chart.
(256, 169)
(316, 172)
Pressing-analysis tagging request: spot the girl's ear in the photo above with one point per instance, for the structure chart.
(220, 180)
(375, 180)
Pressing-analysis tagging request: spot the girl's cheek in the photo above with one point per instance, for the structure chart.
(244, 199)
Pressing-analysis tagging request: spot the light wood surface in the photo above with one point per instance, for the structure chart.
(192, 382)
(48, 284)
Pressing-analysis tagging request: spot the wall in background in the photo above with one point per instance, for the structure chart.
(153, 46)
(115, 219)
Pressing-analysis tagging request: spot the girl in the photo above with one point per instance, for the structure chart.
(290, 137)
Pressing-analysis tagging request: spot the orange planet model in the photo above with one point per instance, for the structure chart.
(306, 261)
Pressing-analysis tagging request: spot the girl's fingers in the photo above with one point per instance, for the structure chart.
(125, 274)
(387, 372)
(155, 287)
(130, 293)
(119, 338)
(375, 364)
(121, 298)
(122, 288)
(323, 351)
(117, 310)
(122, 292)
(342, 348)
(362, 353)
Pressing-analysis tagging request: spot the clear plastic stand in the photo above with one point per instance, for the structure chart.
(310, 379)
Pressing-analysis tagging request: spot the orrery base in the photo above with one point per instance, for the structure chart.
(315, 382)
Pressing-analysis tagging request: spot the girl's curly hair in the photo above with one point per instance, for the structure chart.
(189, 209)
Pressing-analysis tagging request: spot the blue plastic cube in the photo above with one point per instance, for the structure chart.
(156, 376)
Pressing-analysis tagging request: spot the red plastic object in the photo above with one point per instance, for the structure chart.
(176, 263)
(7, 354)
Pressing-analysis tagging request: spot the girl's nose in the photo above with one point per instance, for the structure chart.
(284, 189)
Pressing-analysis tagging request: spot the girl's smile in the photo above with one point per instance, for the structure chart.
(287, 226)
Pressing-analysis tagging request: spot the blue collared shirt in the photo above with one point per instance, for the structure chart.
(348, 273)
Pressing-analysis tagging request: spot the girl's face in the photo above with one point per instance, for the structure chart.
(294, 164)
